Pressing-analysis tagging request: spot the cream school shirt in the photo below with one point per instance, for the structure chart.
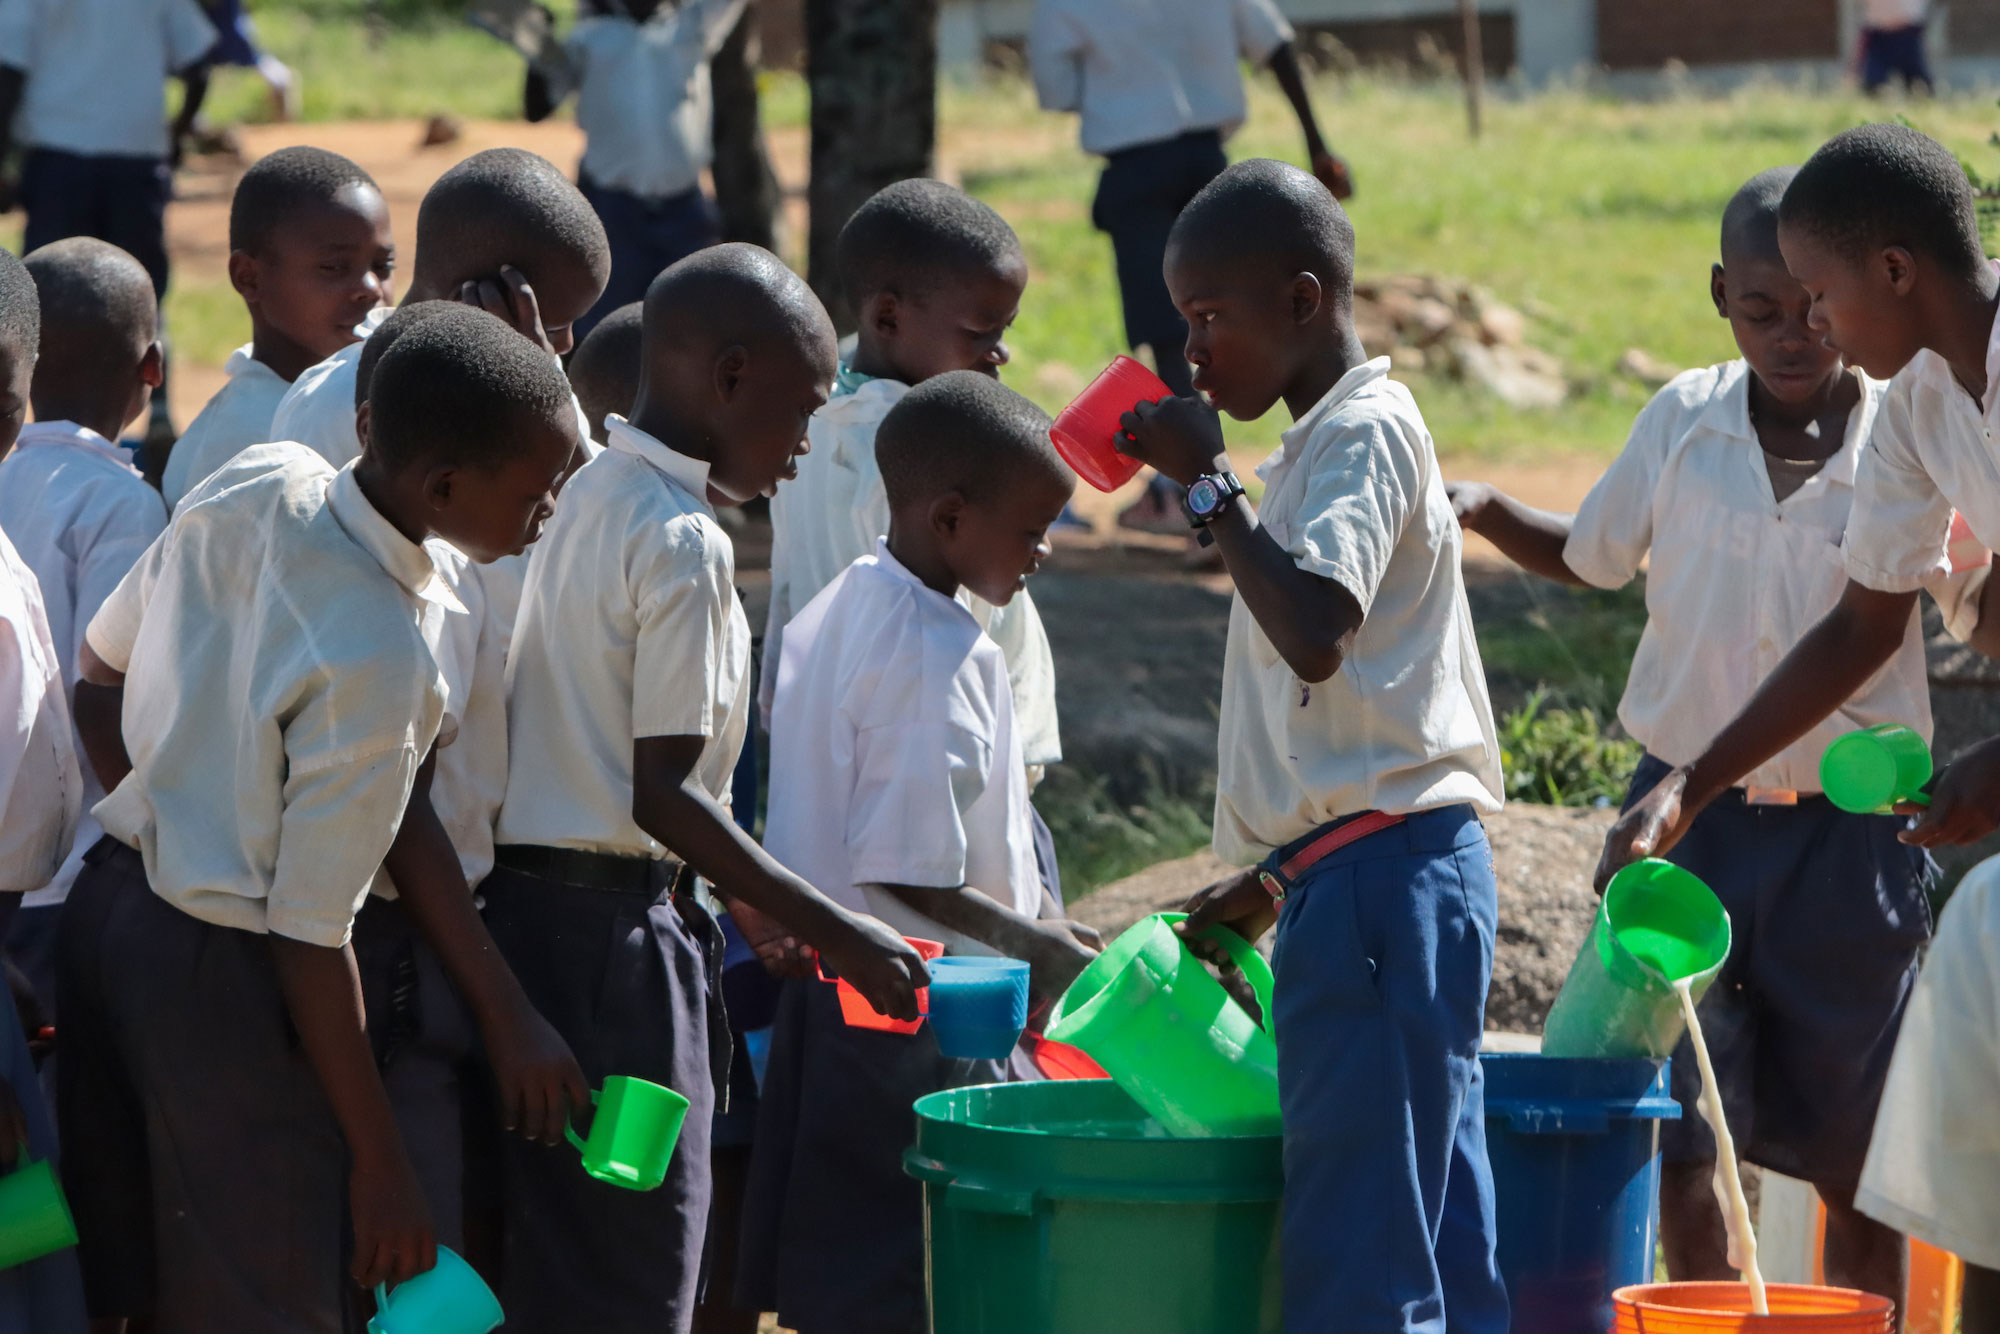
(1354, 495)
(1737, 577)
(643, 97)
(97, 70)
(630, 627)
(1933, 1167)
(237, 417)
(471, 652)
(894, 758)
(279, 696)
(79, 514)
(831, 515)
(41, 787)
(1141, 71)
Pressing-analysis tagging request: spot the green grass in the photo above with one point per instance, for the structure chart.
(1098, 839)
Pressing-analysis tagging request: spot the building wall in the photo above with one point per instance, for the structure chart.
(1644, 34)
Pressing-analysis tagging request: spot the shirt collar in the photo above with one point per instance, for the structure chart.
(243, 361)
(66, 434)
(1935, 370)
(895, 569)
(847, 380)
(1300, 431)
(1727, 413)
(688, 474)
(407, 562)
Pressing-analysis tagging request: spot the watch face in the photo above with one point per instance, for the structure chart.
(1203, 496)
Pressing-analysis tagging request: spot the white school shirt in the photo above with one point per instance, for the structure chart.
(1353, 493)
(630, 627)
(237, 417)
(832, 514)
(279, 696)
(894, 758)
(1933, 1167)
(1141, 71)
(1933, 450)
(97, 69)
(1737, 577)
(79, 514)
(41, 785)
(642, 95)
(470, 647)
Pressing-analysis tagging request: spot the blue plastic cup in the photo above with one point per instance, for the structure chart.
(449, 1299)
(978, 1006)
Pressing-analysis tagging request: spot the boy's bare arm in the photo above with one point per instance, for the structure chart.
(670, 804)
(1328, 167)
(393, 1236)
(100, 708)
(1833, 660)
(539, 1081)
(1053, 955)
(1533, 539)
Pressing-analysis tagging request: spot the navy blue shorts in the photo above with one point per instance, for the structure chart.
(1827, 913)
(1890, 53)
(1141, 193)
(122, 200)
(646, 235)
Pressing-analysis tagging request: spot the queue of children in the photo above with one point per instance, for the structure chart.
(437, 678)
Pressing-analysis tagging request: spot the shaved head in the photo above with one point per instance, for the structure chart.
(1750, 220)
(98, 318)
(1274, 215)
(733, 295)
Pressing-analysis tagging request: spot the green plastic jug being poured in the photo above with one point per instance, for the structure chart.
(1657, 925)
(1149, 1012)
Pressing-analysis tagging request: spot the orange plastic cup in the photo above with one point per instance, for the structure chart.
(1059, 1060)
(1086, 432)
(1724, 1308)
(855, 1009)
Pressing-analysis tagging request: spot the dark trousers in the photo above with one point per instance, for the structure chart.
(1891, 53)
(646, 235)
(1140, 194)
(1383, 956)
(624, 977)
(122, 200)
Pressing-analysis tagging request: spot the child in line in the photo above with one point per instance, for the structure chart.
(40, 794)
(275, 635)
(640, 70)
(1739, 479)
(936, 279)
(1357, 754)
(897, 784)
(1880, 230)
(604, 371)
(618, 783)
(312, 256)
(77, 511)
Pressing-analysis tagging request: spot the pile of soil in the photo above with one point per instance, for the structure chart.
(1450, 328)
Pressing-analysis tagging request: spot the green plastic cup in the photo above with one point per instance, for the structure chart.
(448, 1299)
(34, 1216)
(633, 1134)
(1658, 924)
(1149, 1012)
(1869, 771)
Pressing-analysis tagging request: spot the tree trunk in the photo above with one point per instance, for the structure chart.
(871, 66)
(747, 193)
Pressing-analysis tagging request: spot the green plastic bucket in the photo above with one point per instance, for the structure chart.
(1656, 925)
(1148, 1011)
(1062, 1208)
(1868, 771)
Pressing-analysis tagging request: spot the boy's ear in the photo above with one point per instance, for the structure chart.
(732, 367)
(1716, 291)
(153, 366)
(1307, 296)
(945, 513)
(1898, 268)
(361, 425)
(243, 276)
(881, 312)
(437, 486)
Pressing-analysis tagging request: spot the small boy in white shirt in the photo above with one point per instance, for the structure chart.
(1357, 754)
(604, 372)
(628, 700)
(312, 256)
(40, 794)
(71, 502)
(275, 636)
(1739, 480)
(897, 783)
(642, 101)
(935, 278)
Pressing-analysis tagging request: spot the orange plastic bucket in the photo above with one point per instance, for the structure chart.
(1714, 1308)
(855, 1009)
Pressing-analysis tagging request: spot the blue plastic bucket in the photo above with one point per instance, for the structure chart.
(1575, 1145)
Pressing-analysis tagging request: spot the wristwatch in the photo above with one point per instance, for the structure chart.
(1209, 496)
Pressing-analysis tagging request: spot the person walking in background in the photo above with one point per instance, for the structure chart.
(1892, 45)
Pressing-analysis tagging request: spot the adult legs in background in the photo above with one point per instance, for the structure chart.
(645, 235)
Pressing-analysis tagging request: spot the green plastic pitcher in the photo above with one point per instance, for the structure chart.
(1656, 925)
(34, 1216)
(1152, 1015)
(633, 1134)
(1869, 771)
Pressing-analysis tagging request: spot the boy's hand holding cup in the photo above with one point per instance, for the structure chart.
(1965, 801)
(539, 1082)
(1179, 437)
(879, 964)
(393, 1237)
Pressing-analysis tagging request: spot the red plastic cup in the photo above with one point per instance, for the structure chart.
(1086, 432)
(1059, 1060)
(855, 1009)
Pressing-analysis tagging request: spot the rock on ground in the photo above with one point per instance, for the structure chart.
(1543, 857)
